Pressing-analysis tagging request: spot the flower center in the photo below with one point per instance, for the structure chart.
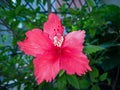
(58, 40)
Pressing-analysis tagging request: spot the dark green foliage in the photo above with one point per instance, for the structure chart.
(102, 46)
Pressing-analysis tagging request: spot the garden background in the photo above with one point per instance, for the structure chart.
(100, 19)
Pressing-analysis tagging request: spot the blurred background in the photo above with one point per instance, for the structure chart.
(100, 19)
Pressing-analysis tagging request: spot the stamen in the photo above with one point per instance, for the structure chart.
(58, 41)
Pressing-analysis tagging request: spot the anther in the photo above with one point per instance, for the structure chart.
(58, 41)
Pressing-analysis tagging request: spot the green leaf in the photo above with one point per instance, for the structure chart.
(41, 86)
(73, 80)
(92, 32)
(30, 1)
(112, 61)
(91, 3)
(109, 81)
(44, 2)
(95, 87)
(108, 45)
(103, 76)
(18, 2)
(94, 74)
(74, 28)
(18, 9)
(62, 8)
(3, 38)
(61, 82)
(90, 49)
(61, 73)
(84, 84)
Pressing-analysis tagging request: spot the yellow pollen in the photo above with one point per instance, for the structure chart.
(58, 41)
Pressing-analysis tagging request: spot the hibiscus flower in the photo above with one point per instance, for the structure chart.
(54, 51)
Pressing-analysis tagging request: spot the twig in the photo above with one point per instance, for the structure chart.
(116, 78)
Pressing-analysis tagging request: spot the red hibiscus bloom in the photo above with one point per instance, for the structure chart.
(54, 52)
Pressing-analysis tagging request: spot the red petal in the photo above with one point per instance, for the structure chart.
(46, 67)
(74, 64)
(53, 26)
(35, 43)
(74, 41)
(72, 58)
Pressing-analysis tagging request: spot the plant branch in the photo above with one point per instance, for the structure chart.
(116, 78)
